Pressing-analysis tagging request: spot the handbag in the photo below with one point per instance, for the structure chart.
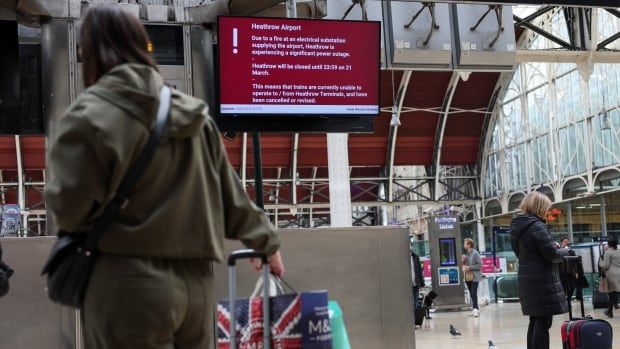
(73, 256)
(469, 276)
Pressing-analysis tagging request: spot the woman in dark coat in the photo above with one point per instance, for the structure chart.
(540, 289)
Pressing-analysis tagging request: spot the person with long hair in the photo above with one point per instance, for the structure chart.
(610, 264)
(152, 285)
(540, 290)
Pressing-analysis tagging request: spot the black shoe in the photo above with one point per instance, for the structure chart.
(609, 313)
(616, 306)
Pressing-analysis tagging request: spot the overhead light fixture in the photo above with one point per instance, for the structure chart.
(395, 117)
(580, 207)
(605, 125)
(595, 205)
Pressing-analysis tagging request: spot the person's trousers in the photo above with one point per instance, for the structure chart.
(149, 303)
(569, 283)
(613, 300)
(538, 332)
(416, 297)
(472, 286)
(416, 301)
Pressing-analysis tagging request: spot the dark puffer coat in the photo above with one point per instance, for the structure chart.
(540, 289)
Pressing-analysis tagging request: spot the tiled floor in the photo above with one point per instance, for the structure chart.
(503, 323)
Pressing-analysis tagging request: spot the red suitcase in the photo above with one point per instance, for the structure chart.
(586, 332)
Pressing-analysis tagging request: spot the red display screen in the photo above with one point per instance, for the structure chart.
(281, 66)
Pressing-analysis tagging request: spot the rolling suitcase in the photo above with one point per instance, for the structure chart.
(232, 294)
(585, 332)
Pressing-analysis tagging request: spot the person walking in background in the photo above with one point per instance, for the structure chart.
(568, 271)
(473, 274)
(152, 286)
(610, 264)
(565, 242)
(540, 290)
(417, 278)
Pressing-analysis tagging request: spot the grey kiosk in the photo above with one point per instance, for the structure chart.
(446, 248)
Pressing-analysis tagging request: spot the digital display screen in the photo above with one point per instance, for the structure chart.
(447, 252)
(166, 44)
(580, 3)
(276, 66)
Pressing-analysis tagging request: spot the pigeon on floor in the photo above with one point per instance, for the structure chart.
(454, 332)
(491, 345)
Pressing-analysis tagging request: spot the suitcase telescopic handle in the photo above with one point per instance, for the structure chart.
(232, 294)
(246, 254)
(572, 258)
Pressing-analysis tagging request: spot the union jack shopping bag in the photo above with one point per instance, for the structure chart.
(298, 321)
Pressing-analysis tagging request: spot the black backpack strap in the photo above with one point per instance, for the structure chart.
(121, 198)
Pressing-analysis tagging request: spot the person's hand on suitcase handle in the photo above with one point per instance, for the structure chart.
(275, 264)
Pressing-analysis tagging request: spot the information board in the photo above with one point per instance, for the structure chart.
(281, 66)
(449, 276)
(579, 3)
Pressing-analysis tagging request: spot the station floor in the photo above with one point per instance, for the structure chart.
(503, 323)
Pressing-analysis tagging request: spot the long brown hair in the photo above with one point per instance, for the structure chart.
(110, 36)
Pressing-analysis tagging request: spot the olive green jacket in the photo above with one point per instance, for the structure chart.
(188, 199)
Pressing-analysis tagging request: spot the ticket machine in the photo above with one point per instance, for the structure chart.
(446, 249)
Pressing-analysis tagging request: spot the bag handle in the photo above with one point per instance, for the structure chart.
(283, 282)
(121, 197)
(279, 283)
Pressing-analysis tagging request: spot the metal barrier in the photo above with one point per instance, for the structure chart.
(29, 319)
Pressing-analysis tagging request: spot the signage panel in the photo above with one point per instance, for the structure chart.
(297, 67)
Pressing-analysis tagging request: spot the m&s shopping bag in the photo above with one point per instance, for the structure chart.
(298, 321)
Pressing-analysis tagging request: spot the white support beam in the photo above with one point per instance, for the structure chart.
(555, 56)
(394, 123)
(291, 8)
(339, 184)
(325, 205)
(294, 168)
(440, 130)
(277, 198)
(244, 159)
(311, 211)
(480, 227)
(21, 188)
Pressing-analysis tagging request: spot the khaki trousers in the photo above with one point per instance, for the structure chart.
(149, 303)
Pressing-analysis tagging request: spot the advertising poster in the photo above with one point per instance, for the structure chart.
(426, 268)
(488, 266)
(449, 276)
(10, 220)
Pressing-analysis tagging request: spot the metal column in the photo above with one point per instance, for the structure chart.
(603, 218)
(339, 183)
(569, 222)
(480, 227)
(21, 188)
